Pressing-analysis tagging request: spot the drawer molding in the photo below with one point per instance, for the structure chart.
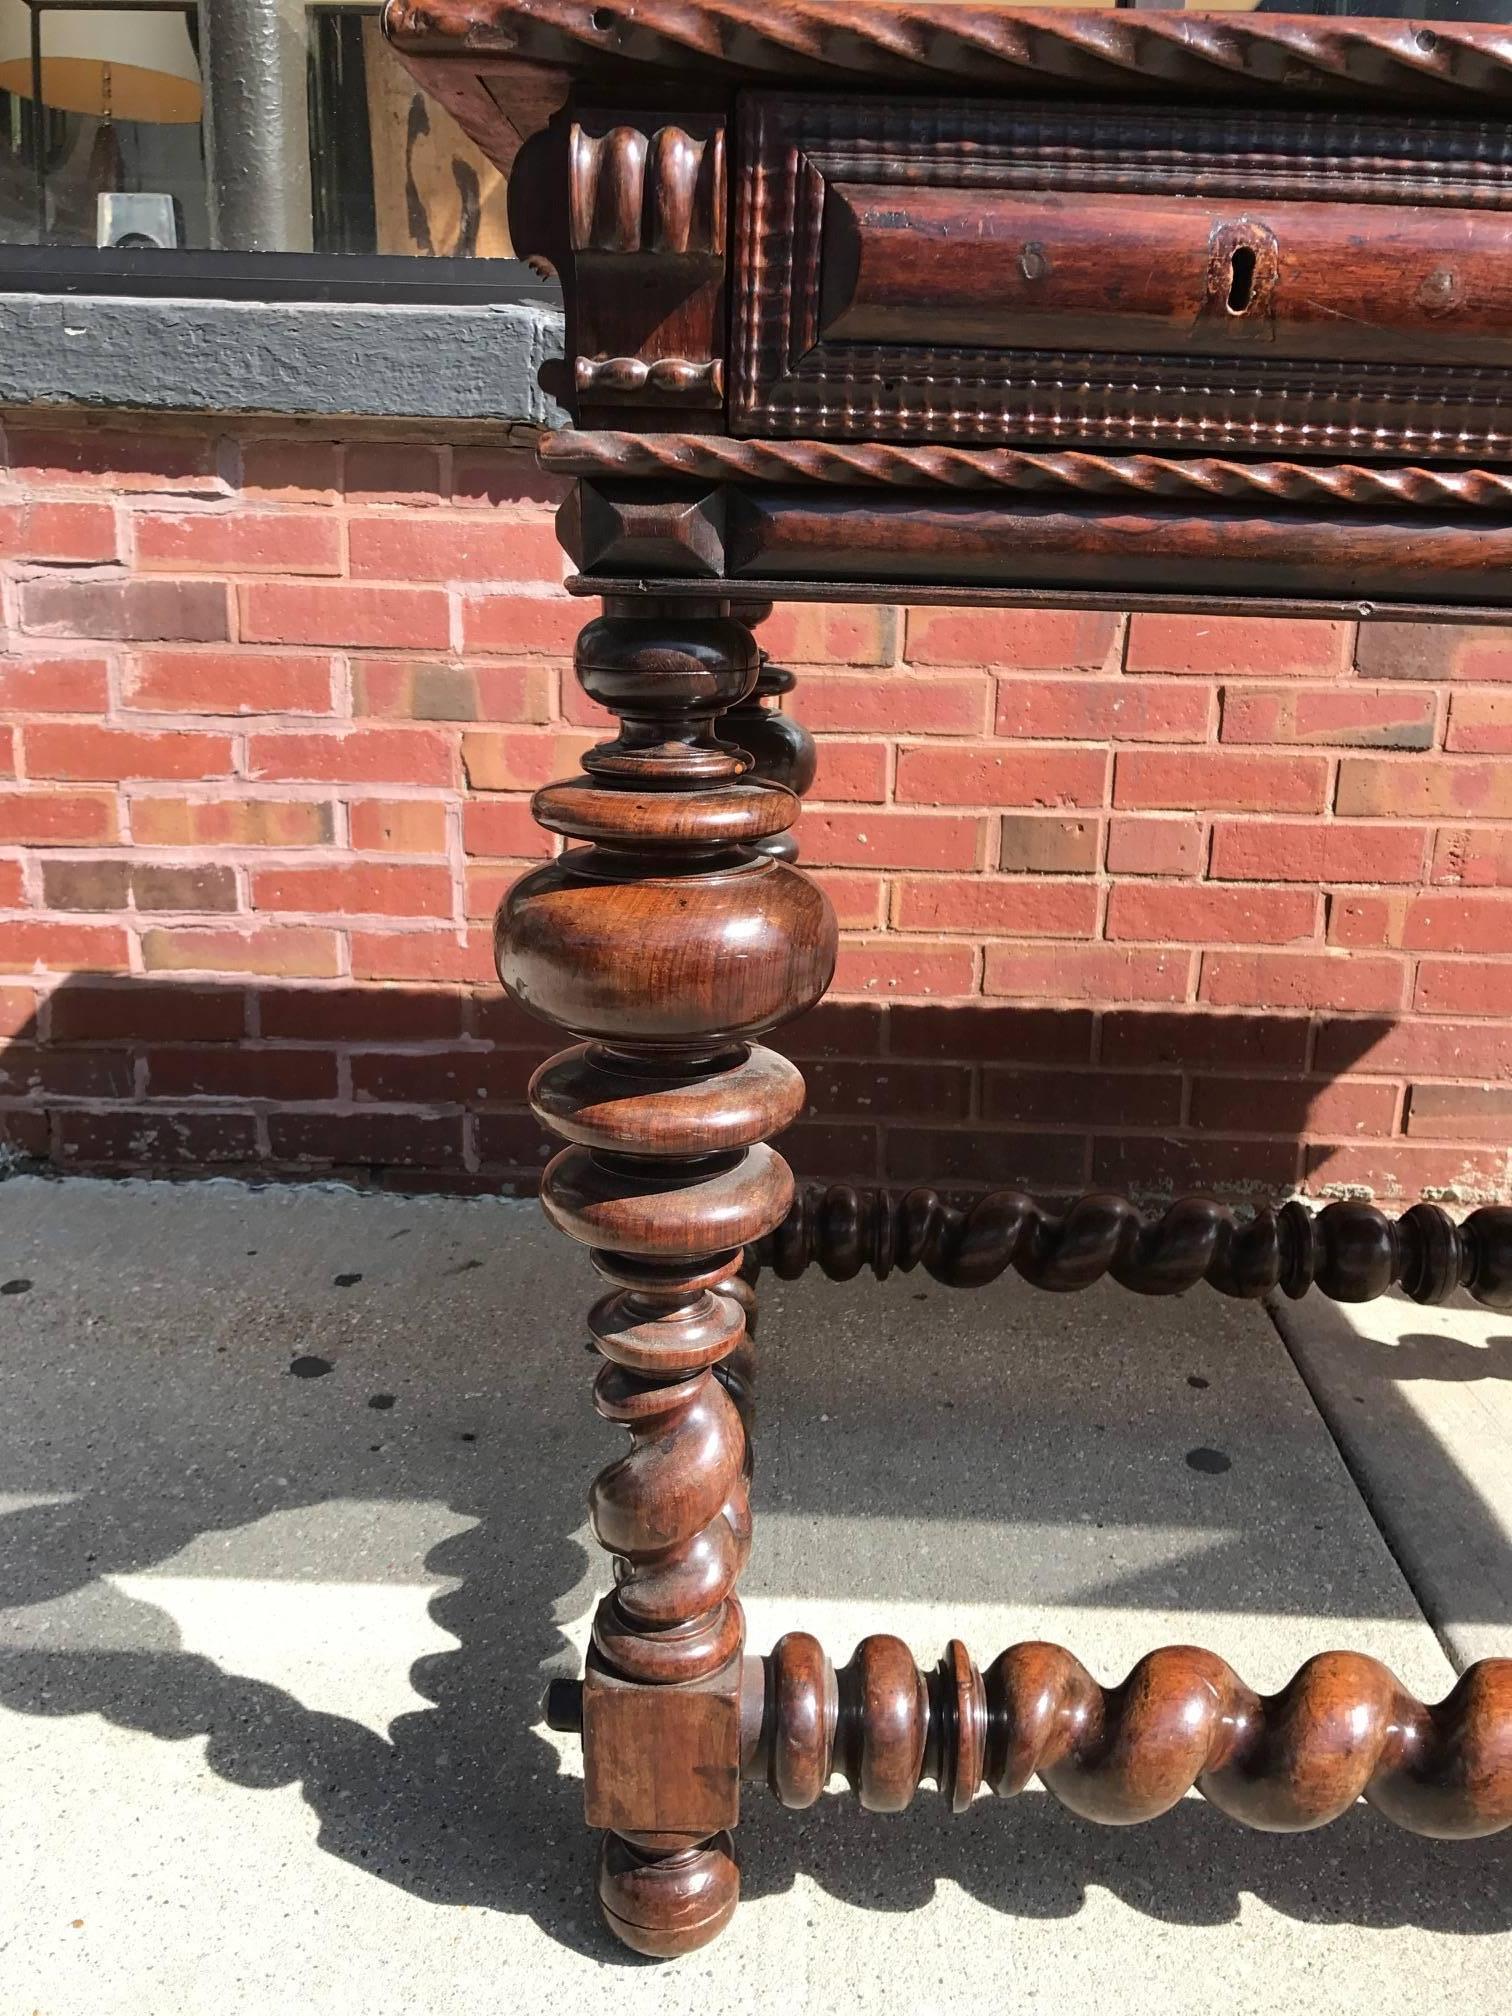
(1334, 606)
(720, 532)
(988, 272)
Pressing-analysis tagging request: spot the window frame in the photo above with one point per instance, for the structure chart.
(215, 275)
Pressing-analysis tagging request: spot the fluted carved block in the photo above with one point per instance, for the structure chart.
(668, 940)
(1349, 1251)
(648, 188)
(646, 222)
(1342, 1729)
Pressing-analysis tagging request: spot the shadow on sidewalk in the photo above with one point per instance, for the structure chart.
(147, 1401)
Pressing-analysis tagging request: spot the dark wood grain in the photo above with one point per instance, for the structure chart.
(1237, 57)
(781, 749)
(669, 942)
(1064, 473)
(644, 528)
(781, 753)
(984, 271)
(834, 535)
(1350, 1251)
(1343, 1729)
(1008, 543)
(1127, 309)
(1077, 270)
(668, 589)
(645, 231)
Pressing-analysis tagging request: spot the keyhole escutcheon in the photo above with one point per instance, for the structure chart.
(1241, 278)
(1244, 262)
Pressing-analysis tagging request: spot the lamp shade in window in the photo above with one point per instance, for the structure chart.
(105, 62)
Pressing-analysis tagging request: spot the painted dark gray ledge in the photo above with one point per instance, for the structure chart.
(422, 360)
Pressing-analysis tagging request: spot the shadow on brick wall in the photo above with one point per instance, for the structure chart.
(425, 1090)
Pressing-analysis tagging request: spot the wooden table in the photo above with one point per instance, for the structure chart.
(876, 300)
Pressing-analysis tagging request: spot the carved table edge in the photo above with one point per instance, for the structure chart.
(1130, 52)
(1075, 472)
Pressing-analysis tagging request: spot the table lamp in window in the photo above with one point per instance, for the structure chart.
(110, 63)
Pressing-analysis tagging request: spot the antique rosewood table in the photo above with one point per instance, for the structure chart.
(941, 302)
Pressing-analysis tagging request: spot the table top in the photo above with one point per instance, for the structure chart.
(1158, 55)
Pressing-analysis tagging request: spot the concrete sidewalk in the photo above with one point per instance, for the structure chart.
(291, 1534)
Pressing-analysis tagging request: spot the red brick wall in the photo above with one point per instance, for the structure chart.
(1183, 900)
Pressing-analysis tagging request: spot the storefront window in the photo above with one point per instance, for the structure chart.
(108, 138)
(100, 116)
(391, 171)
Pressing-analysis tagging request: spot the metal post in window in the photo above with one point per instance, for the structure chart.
(257, 146)
(38, 125)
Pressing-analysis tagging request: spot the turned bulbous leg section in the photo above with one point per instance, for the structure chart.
(782, 752)
(663, 1904)
(781, 749)
(667, 939)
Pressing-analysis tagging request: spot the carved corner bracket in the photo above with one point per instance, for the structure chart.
(647, 204)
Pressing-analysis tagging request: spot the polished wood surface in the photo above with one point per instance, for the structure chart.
(672, 589)
(885, 300)
(838, 536)
(781, 749)
(982, 270)
(1058, 473)
(1034, 269)
(1350, 1251)
(1343, 1729)
(669, 942)
(646, 210)
(1252, 58)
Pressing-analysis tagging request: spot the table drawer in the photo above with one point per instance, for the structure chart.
(925, 269)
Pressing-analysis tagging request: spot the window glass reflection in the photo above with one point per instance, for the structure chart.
(109, 136)
(100, 112)
(391, 171)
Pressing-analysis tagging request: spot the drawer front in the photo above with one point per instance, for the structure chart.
(947, 270)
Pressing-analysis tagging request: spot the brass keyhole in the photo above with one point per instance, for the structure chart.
(1241, 279)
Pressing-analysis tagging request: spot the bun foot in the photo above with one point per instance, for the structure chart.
(665, 1905)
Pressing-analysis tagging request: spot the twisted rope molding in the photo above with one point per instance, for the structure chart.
(710, 458)
(1342, 1729)
(1349, 1251)
(900, 41)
